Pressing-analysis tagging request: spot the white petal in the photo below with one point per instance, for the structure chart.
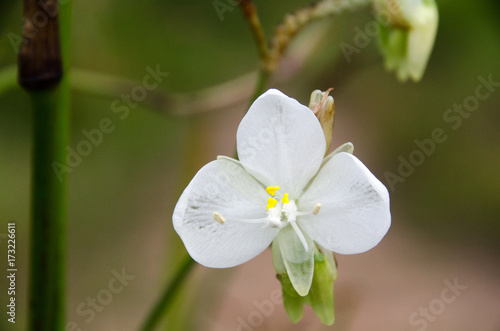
(280, 142)
(299, 263)
(421, 40)
(278, 263)
(355, 213)
(346, 148)
(222, 186)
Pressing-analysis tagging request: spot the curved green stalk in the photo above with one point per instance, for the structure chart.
(168, 295)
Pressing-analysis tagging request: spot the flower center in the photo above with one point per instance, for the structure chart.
(279, 214)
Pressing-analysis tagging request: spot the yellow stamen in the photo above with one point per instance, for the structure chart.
(285, 198)
(219, 218)
(272, 190)
(271, 202)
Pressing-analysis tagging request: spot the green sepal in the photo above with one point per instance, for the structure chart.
(291, 299)
(321, 292)
(299, 262)
(393, 43)
(320, 295)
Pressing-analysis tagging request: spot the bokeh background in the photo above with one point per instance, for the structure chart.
(445, 225)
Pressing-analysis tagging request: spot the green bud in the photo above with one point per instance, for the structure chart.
(328, 255)
(323, 106)
(407, 33)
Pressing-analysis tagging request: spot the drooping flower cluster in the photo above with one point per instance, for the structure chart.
(282, 189)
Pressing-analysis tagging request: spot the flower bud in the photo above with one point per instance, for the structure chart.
(407, 33)
(323, 106)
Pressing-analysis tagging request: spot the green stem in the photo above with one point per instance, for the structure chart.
(252, 17)
(48, 210)
(260, 85)
(250, 12)
(51, 111)
(293, 23)
(167, 297)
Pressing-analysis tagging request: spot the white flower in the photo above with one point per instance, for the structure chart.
(281, 189)
(407, 35)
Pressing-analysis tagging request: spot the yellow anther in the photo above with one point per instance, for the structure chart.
(285, 198)
(271, 202)
(219, 218)
(316, 209)
(272, 190)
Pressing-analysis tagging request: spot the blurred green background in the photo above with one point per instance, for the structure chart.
(121, 196)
